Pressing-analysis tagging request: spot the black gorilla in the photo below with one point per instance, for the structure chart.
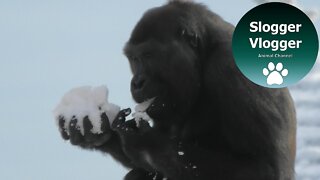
(211, 123)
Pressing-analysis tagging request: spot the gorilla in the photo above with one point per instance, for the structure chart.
(210, 122)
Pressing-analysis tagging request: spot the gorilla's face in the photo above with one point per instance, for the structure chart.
(164, 61)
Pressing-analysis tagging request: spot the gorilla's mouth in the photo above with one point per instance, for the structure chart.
(142, 107)
(154, 100)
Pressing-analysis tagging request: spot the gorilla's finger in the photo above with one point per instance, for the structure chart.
(105, 124)
(95, 139)
(127, 111)
(128, 128)
(87, 126)
(131, 124)
(62, 128)
(120, 118)
(75, 134)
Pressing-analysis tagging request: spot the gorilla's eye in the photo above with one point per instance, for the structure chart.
(132, 58)
(191, 37)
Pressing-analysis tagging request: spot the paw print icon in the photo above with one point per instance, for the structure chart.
(274, 73)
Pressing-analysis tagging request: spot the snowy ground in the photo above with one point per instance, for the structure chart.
(307, 99)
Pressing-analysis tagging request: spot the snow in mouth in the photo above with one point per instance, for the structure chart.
(141, 114)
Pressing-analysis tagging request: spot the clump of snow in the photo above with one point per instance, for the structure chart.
(86, 101)
(141, 114)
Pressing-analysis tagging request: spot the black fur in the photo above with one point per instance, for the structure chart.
(211, 123)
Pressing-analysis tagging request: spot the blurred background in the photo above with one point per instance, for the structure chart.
(48, 47)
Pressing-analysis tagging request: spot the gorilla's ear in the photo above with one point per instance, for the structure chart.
(191, 37)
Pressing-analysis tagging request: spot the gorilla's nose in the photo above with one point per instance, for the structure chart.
(138, 82)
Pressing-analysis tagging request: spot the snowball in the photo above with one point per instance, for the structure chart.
(140, 113)
(86, 101)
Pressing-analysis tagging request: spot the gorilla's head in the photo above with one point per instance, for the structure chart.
(165, 51)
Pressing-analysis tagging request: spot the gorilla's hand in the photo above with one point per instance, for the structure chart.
(129, 128)
(85, 139)
(130, 133)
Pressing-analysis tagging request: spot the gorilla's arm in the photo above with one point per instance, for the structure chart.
(114, 148)
(188, 160)
(201, 147)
